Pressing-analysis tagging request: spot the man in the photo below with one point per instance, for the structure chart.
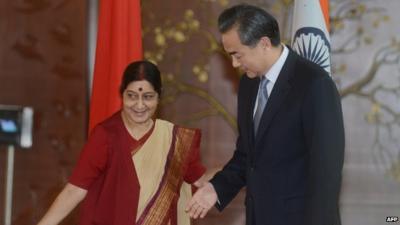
(289, 152)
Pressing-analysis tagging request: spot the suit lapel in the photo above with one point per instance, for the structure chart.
(250, 109)
(277, 96)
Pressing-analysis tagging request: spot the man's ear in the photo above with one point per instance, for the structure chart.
(265, 43)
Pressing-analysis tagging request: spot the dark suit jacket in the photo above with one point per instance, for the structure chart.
(292, 168)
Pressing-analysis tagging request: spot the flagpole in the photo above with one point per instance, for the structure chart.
(9, 185)
(91, 50)
(92, 35)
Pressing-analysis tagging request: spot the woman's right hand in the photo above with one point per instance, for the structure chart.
(65, 202)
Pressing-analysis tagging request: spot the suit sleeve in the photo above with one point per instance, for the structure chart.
(228, 182)
(324, 133)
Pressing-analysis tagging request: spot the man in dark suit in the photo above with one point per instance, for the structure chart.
(289, 152)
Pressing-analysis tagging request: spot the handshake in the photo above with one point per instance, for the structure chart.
(202, 201)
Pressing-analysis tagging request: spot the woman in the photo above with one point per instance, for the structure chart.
(133, 169)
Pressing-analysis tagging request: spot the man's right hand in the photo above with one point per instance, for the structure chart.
(202, 201)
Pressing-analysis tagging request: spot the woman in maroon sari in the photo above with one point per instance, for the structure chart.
(133, 169)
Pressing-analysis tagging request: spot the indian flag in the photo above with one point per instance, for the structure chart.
(310, 36)
(119, 42)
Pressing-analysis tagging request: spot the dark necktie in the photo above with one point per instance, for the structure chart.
(262, 101)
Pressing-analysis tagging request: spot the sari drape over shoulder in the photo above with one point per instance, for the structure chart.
(142, 181)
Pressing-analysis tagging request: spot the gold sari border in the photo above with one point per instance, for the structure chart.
(159, 207)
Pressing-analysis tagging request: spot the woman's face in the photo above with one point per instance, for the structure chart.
(139, 101)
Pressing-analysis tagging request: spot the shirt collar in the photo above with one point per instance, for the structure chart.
(273, 72)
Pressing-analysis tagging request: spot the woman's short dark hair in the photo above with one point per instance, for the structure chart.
(141, 70)
(252, 22)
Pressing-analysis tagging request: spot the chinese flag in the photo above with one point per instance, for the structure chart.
(310, 36)
(119, 42)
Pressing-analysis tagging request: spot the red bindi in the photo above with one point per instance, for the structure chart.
(140, 89)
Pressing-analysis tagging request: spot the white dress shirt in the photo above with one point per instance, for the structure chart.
(273, 73)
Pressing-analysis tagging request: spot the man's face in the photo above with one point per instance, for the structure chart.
(252, 60)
